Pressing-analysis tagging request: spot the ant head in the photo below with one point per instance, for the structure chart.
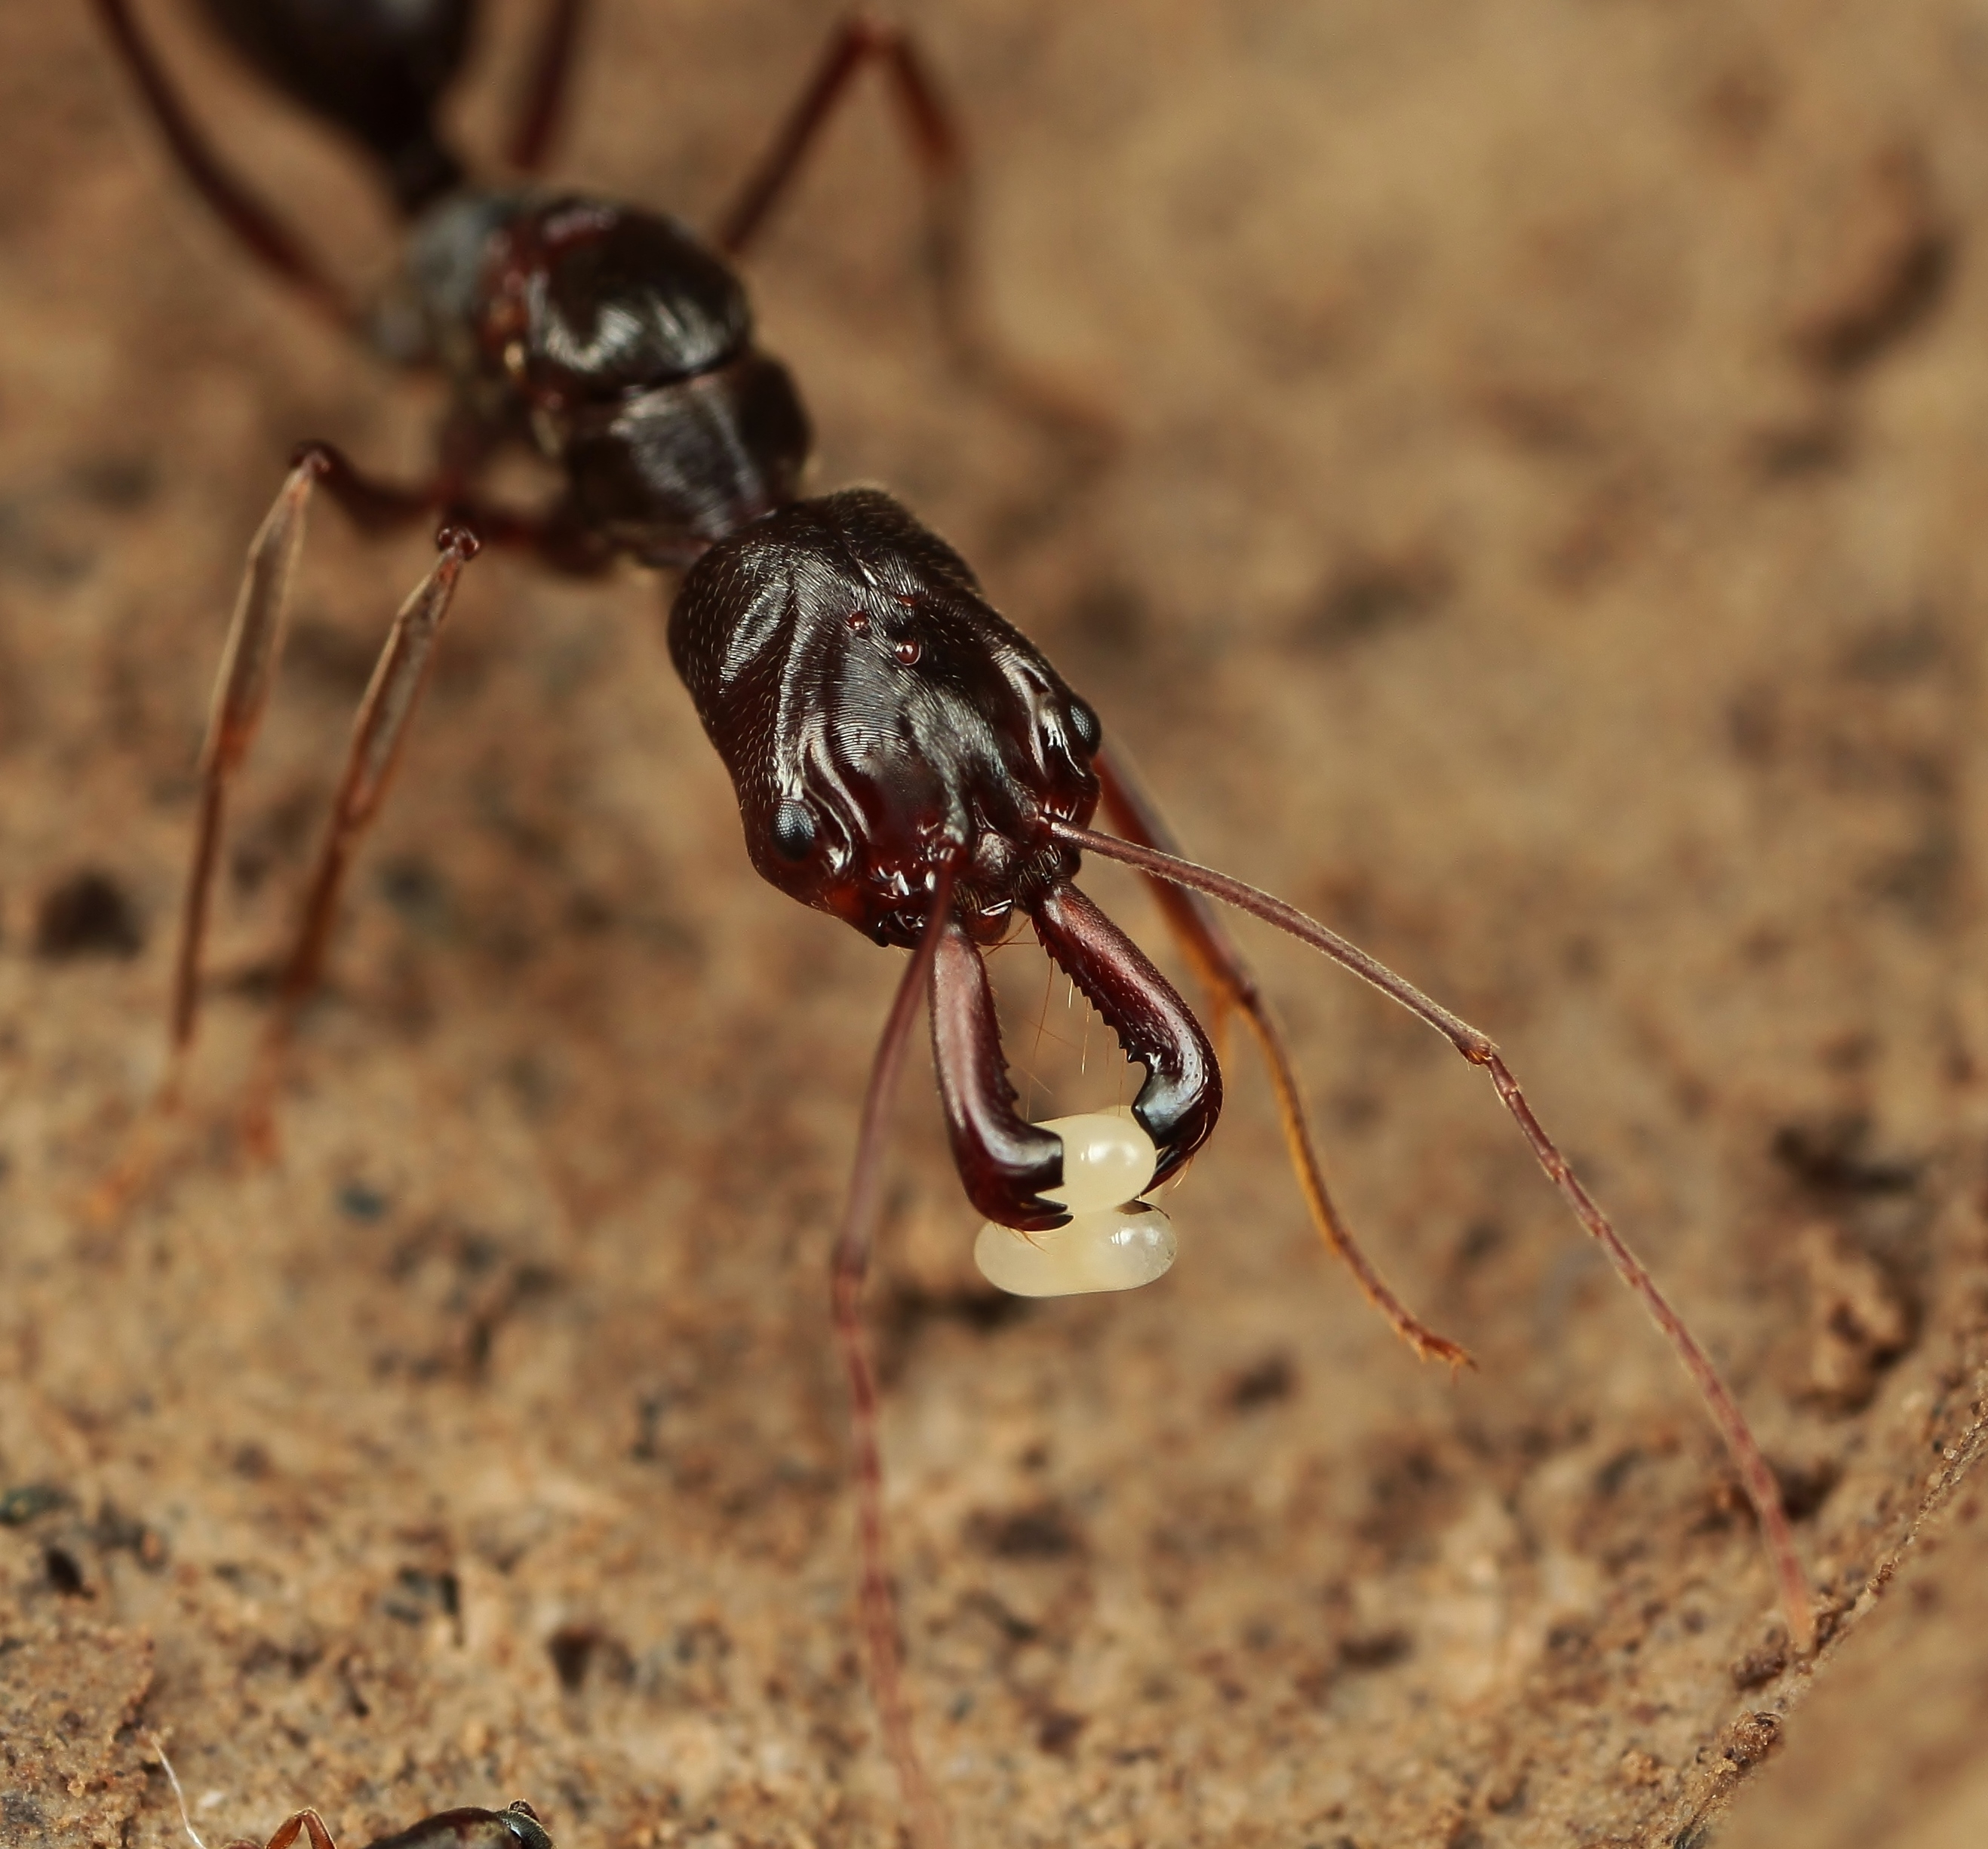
(879, 719)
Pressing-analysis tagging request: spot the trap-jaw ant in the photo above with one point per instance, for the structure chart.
(467, 1826)
(516, 1826)
(903, 758)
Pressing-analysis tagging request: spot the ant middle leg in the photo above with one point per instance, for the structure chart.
(849, 1269)
(379, 735)
(249, 662)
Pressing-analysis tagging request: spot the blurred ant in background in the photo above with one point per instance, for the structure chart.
(903, 758)
(515, 1826)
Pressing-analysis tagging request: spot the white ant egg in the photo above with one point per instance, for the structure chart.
(1115, 1248)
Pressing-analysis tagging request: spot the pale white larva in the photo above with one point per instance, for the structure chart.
(1114, 1240)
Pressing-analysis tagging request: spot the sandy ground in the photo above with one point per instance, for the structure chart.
(1541, 539)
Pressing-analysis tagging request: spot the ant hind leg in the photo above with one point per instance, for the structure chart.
(931, 130)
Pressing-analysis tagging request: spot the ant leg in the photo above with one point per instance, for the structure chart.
(241, 691)
(1178, 1104)
(271, 241)
(927, 121)
(849, 1268)
(1755, 1473)
(375, 506)
(931, 127)
(1004, 1162)
(1232, 984)
(379, 732)
(538, 116)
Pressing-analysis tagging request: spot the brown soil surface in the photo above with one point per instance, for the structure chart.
(1543, 540)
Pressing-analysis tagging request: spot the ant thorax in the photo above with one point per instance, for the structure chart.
(617, 345)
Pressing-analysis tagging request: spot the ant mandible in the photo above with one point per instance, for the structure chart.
(903, 758)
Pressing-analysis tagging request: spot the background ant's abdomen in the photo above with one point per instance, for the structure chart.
(878, 717)
(375, 68)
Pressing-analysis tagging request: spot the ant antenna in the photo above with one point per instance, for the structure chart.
(1755, 1473)
(179, 1792)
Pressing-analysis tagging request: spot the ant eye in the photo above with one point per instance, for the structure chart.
(793, 831)
(1084, 726)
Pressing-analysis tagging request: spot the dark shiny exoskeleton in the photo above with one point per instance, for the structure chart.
(879, 719)
(517, 1826)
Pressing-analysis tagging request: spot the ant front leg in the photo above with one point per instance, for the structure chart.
(248, 664)
(849, 1269)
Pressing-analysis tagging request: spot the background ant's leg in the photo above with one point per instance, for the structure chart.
(850, 1266)
(1219, 964)
(1004, 1161)
(1178, 1104)
(304, 1822)
(537, 117)
(378, 734)
(271, 241)
(241, 690)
